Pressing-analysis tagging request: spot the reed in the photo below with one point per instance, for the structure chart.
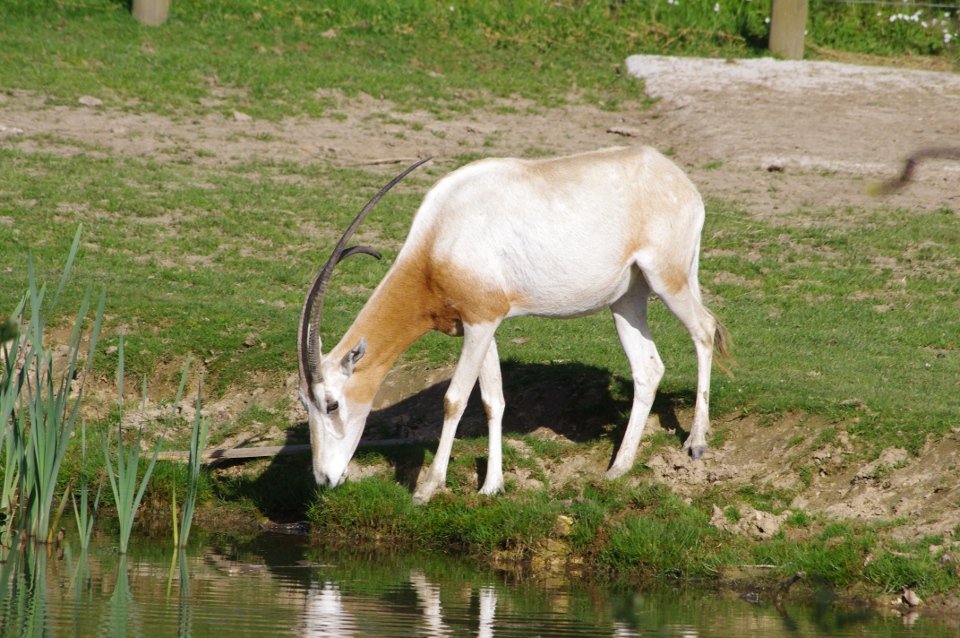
(10, 384)
(37, 411)
(198, 440)
(84, 514)
(123, 482)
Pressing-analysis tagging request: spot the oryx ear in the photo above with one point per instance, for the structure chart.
(350, 360)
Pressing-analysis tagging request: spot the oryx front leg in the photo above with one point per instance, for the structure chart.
(491, 391)
(476, 343)
(630, 317)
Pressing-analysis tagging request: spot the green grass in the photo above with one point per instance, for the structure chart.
(852, 310)
(844, 313)
(620, 531)
(268, 58)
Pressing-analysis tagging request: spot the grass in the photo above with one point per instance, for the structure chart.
(851, 308)
(622, 531)
(268, 58)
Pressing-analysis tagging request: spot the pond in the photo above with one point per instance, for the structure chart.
(281, 585)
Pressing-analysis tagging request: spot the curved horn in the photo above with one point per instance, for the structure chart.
(308, 335)
(356, 250)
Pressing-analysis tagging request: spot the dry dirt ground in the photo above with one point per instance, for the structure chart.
(772, 135)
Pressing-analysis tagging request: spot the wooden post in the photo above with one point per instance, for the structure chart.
(788, 21)
(151, 13)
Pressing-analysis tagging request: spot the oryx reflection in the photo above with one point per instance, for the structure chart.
(325, 615)
(428, 597)
(332, 613)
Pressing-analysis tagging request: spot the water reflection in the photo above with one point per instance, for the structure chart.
(263, 586)
(325, 616)
(121, 617)
(488, 609)
(184, 627)
(25, 605)
(428, 596)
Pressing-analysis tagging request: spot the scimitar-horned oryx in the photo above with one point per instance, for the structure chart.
(501, 238)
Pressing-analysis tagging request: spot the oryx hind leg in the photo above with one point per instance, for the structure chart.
(685, 303)
(646, 368)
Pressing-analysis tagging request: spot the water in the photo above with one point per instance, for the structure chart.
(271, 585)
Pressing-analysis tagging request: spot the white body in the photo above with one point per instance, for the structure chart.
(501, 238)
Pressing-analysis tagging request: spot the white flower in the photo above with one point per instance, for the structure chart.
(716, 8)
(766, 20)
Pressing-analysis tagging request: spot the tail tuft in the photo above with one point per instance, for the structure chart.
(722, 344)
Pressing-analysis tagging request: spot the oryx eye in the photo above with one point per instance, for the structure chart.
(332, 406)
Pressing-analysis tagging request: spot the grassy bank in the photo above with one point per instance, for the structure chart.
(623, 532)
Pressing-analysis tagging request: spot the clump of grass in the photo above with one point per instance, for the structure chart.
(371, 508)
(657, 532)
(378, 508)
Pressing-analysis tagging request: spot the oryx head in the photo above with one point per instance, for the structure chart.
(336, 423)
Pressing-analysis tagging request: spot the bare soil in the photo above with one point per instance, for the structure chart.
(773, 136)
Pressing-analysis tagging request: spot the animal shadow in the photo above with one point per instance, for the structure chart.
(578, 402)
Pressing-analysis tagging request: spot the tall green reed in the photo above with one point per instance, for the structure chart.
(37, 411)
(123, 481)
(83, 513)
(10, 384)
(198, 440)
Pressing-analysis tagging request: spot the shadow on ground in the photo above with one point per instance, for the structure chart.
(580, 403)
